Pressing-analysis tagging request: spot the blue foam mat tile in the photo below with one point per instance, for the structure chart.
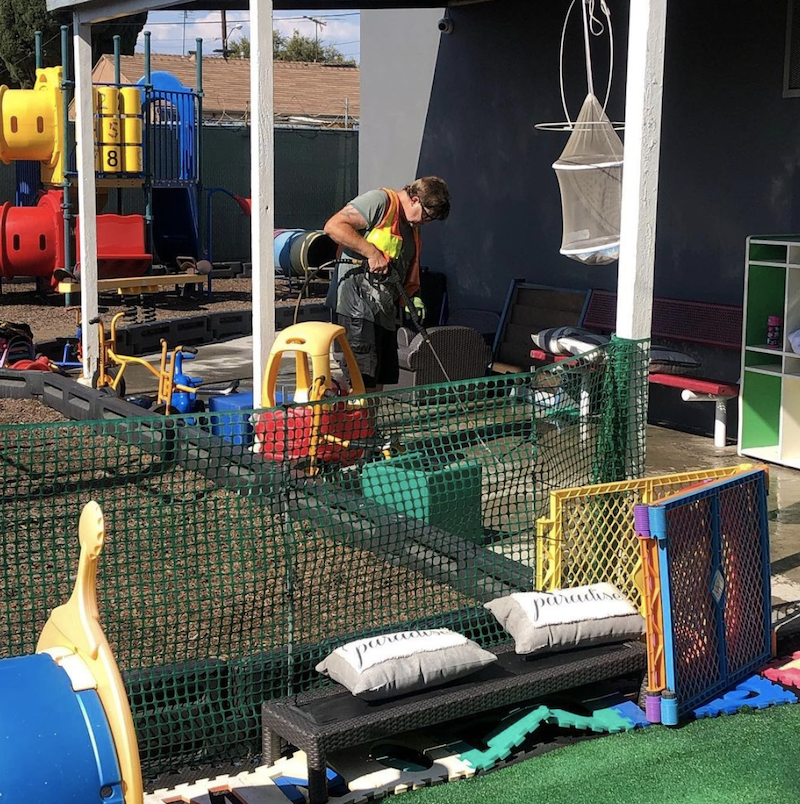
(289, 790)
(288, 785)
(633, 714)
(753, 693)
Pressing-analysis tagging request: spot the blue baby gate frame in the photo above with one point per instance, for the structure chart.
(713, 550)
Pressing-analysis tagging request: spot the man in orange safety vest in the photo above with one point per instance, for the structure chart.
(379, 230)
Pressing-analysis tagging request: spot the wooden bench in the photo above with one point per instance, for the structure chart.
(136, 285)
(681, 322)
(332, 719)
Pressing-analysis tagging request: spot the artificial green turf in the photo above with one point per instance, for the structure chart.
(747, 758)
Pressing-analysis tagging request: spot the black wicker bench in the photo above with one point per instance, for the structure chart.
(331, 719)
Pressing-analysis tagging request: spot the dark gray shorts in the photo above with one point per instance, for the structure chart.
(375, 350)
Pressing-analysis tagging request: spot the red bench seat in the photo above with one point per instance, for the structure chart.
(682, 321)
(121, 248)
(711, 387)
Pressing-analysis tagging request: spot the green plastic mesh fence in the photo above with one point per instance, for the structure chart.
(243, 546)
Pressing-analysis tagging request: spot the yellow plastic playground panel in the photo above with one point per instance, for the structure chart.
(589, 537)
(118, 129)
(31, 123)
(130, 107)
(109, 129)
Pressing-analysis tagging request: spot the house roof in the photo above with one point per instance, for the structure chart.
(320, 92)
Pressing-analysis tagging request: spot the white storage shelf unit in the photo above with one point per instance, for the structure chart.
(769, 401)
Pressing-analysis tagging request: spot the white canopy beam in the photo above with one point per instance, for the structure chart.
(87, 193)
(643, 94)
(262, 188)
(108, 9)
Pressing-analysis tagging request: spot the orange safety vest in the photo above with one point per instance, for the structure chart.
(386, 236)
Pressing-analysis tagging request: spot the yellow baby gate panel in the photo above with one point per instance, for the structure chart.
(589, 537)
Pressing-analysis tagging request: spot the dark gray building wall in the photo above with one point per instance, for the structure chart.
(730, 145)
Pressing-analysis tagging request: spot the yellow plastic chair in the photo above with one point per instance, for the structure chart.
(310, 341)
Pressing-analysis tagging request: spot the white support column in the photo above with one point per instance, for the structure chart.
(87, 198)
(262, 188)
(648, 19)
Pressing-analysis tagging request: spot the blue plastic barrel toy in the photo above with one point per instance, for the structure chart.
(298, 251)
(282, 244)
(55, 744)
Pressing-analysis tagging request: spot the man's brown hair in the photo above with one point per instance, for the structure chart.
(433, 195)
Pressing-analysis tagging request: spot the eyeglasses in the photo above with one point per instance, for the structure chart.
(426, 214)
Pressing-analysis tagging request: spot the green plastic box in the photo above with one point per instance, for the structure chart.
(445, 495)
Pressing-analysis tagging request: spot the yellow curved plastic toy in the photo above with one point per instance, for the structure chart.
(75, 628)
(31, 126)
(311, 340)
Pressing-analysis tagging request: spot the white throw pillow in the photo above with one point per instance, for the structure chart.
(568, 340)
(568, 618)
(406, 661)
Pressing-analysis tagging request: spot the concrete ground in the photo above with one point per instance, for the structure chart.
(667, 451)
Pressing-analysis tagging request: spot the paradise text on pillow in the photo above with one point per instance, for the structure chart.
(566, 599)
(360, 648)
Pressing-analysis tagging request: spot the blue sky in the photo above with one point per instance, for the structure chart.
(171, 32)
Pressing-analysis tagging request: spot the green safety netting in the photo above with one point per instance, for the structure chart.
(235, 561)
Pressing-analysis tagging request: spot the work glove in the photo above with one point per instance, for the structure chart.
(419, 308)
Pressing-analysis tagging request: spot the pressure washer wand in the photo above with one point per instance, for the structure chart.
(415, 319)
(426, 338)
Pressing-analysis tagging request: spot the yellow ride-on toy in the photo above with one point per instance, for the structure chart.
(333, 428)
(176, 391)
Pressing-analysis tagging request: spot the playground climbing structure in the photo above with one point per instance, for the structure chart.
(146, 135)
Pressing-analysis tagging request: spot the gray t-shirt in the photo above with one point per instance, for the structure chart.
(361, 294)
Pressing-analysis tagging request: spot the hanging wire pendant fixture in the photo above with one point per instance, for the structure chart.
(589, 170)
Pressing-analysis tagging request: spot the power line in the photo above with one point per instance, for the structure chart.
(149, 24)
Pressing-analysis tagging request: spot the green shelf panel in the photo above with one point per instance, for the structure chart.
(761, 410)
(767, 253)
(763, 359)
(766, 289)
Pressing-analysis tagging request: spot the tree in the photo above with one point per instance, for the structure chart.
(296, 48)
(19, 21)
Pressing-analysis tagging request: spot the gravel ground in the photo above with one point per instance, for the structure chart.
(49, 319)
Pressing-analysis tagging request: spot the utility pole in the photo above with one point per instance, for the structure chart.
(224, 22)
(226, 32)
(318, 23)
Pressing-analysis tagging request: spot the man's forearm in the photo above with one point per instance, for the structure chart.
(348, 237)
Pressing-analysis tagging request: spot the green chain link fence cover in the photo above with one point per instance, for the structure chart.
(228, 573)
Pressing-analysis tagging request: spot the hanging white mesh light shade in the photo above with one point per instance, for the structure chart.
(589, 173)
